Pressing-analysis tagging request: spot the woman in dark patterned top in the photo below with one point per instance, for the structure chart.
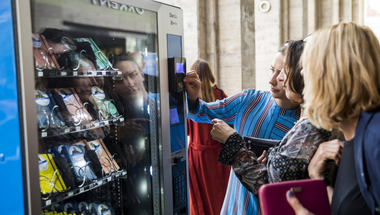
(290, 158)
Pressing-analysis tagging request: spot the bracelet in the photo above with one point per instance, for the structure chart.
(327, 181)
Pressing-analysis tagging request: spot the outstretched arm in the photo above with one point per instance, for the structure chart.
(248, 168)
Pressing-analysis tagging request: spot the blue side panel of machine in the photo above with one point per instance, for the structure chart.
(11, 180)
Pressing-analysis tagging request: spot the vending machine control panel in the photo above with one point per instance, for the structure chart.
(177, 72)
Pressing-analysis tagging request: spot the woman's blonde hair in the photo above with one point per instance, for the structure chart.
(342, 74)
(205, 74)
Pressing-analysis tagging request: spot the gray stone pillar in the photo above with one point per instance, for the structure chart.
(208, 33)
(248, 60)
(268, 37)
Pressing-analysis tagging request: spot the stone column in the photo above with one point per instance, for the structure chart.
(190, 34)
(268, 38)
(297, 21)
(230, 46)
(312, 16)
(358, 11)
(248, 61)
(208, 33)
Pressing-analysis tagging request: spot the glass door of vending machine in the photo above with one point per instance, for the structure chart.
(97, 99)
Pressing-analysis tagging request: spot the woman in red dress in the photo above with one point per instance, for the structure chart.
(208, 177)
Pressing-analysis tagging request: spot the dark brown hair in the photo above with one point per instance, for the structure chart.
(124, 56)
(293, 67)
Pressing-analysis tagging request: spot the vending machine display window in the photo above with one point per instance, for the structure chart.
(90, 122)
(97, 95)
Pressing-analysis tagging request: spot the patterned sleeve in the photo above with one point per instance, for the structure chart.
(230, 148)
(287, 161)
(224, 109)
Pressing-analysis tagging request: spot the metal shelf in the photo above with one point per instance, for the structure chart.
(87, 187)
(69, 73)
(51, 132)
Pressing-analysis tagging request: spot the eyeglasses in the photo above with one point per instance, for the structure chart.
(304, 40)
(286, 43)
(307, 38)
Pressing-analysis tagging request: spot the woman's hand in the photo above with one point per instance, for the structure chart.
(221, 131)
(331, 150)
(263, 158)
(296, 204)
(193, 85)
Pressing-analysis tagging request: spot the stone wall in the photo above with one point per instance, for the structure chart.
(239, 40)
(372, 16)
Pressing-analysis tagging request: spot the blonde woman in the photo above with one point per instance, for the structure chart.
(208, 178)
(342, 89)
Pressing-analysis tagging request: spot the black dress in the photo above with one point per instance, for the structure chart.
(347, 198)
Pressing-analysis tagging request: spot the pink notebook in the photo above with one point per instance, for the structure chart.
(311, 193)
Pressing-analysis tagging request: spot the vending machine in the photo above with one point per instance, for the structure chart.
(92, 117)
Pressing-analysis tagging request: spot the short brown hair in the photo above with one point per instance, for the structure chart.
(342, 74)
(293, 67)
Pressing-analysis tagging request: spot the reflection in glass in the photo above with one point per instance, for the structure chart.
(76, 47)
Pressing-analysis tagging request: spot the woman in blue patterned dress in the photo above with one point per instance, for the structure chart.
(252, 112)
